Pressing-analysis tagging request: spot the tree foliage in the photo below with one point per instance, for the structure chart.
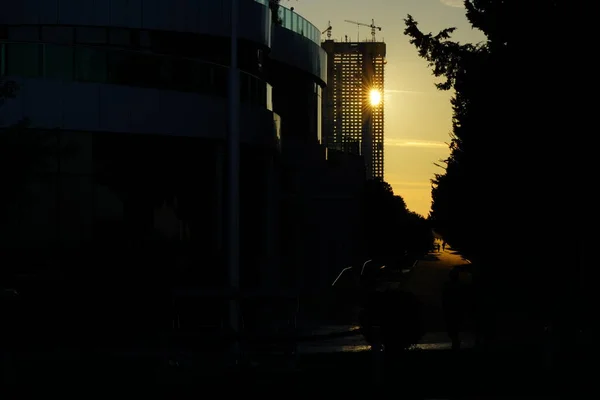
(391, 230)
(513, 101)
(274, 7)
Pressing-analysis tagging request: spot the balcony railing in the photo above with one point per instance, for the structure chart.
(293, 21)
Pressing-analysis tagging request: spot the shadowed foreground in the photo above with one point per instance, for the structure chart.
(413, 374)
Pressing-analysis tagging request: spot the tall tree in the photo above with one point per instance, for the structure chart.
(511, 95)
(391, 229)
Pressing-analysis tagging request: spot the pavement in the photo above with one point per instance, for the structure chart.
(332, 339)
(336, 355)
(425, 280)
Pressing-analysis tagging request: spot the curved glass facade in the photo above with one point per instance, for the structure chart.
(296, 23)
(126, 67)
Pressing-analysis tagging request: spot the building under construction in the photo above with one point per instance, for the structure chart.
(353, 101)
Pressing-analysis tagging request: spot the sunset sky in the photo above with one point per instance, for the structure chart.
(417, 115)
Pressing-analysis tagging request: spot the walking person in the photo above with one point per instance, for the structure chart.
(453, 308)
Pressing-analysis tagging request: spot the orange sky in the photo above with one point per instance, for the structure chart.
(418, 117)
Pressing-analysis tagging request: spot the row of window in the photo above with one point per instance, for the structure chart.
(126, 67)
(143, 38)
(184, 44)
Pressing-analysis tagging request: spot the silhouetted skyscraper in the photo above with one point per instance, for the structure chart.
(353, 101)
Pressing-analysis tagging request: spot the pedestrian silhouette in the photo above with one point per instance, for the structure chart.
(444, 246)
(453, 308)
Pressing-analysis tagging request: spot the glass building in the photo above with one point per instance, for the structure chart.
(353, 107)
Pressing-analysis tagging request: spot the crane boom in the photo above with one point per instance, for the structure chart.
(328, 30)
(357, 23)
(372, 25)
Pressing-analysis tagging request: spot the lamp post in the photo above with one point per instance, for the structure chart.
(364, 265)
(233, 159)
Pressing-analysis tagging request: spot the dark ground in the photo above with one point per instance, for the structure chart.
(420, 374)
(437, 374)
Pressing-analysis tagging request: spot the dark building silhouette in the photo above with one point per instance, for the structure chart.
(353, 118)
(139, 90)
(131, 199)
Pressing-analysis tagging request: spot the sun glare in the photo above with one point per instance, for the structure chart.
(375, 97)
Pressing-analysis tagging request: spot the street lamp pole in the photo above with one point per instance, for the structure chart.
(233, 152)
(364, 265)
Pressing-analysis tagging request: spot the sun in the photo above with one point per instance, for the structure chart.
(375, 97)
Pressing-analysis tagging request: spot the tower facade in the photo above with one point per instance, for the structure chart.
(353, 101)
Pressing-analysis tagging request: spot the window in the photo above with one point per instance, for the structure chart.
(2, 60)
(245, 87)
(144, 39)
(182, 71)
(123, 67)
(167, 71)
(91, 35)
(120, 70)
(201, 78)
(58, 62)
(130, 68)
(57, 34)
(24, 33)
(185, 74)
(91, 65)
(22, 59)
(119, 37)
(219, 80)
(269, 95)
(140, 38)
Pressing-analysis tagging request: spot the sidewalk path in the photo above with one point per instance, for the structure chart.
(426, 282)
(334, 339)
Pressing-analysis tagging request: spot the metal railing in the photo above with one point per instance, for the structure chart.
(296, 23)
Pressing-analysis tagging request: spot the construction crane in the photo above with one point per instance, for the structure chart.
(328, 30)
(372, 26)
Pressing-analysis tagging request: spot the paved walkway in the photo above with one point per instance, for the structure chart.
(425, 281)
(343, 338)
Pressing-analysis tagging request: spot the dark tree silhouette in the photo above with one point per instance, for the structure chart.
(274, 6)
(391, 230)
(513, 95)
